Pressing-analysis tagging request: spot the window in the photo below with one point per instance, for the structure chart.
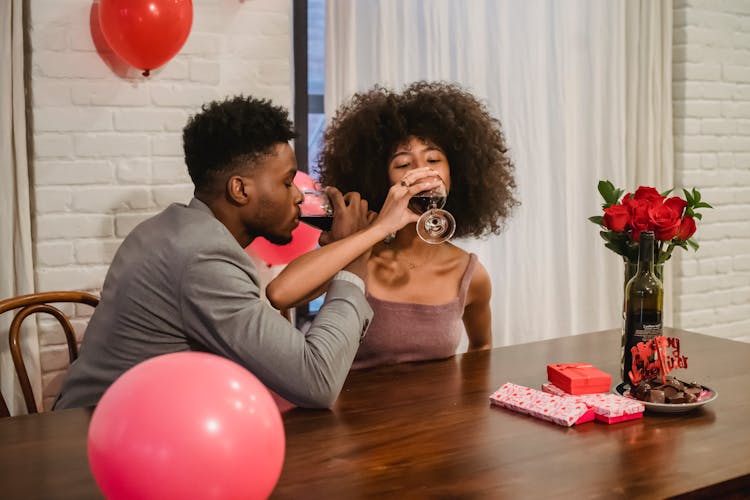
(309, 85)
(309, 80)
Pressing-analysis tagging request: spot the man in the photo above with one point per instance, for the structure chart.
(181, 280)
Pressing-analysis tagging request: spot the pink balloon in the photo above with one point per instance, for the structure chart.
(304, 181)
(186, 425)
(304, 237)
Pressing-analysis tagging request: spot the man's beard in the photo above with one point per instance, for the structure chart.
(278, 240)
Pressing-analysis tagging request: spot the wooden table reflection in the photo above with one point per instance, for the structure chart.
(427, 430)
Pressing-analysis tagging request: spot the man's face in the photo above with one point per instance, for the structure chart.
(274, 210)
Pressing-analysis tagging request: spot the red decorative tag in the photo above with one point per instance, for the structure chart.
(652, 359)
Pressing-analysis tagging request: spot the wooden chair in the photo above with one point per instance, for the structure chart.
(3, 408)
(36, 303)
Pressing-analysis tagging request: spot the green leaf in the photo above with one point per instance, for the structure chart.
(688, 197)
(666, 193)
(698, 216)
(614, 248)
(609, 193)
(597, 219)
(606, 189)
(702, 204)
(696, 195)
(693, 244)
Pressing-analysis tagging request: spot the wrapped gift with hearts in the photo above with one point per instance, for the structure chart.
(560, 410)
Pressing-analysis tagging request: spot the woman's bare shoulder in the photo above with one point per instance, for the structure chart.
(452, 250)
(480, 286)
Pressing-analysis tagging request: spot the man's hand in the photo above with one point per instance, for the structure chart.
(350, 214)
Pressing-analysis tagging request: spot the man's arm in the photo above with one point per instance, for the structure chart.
(224, 314)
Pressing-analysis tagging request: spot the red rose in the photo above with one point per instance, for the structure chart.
(647, 193)
(687, 228)
(665, 220)
(627, 199)
(616, 218)
(639, 218)
(676, 203)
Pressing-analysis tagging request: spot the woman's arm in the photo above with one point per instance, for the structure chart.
(308, 274)
(477, 313)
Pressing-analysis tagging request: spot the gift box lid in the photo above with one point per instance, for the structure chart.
(579, 378)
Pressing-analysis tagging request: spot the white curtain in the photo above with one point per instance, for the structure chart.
(556, 74)
(16, 267)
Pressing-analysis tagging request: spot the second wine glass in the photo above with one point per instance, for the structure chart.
(316, 209)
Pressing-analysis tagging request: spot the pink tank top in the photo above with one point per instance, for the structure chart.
(401, 332)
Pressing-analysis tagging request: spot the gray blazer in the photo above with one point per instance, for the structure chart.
(181, 282)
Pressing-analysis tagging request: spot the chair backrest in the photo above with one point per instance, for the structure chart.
(3, 408)
(36, 303)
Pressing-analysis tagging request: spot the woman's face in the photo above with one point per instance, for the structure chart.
(415, 153)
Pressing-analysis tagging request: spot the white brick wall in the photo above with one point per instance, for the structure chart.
(107, 150)
(711, 88)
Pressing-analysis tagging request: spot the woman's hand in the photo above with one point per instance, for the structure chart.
(395, 213)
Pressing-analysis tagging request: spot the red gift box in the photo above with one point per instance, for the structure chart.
(579, 378)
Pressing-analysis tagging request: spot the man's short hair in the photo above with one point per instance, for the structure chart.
(226, 134)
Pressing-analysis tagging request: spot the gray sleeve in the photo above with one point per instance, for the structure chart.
(223, 313)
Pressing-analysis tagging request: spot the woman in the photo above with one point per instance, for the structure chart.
(422, 294)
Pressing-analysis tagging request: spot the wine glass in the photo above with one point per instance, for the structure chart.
(435, 225)
(316, 209)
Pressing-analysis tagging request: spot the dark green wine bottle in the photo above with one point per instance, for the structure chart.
(644, 295)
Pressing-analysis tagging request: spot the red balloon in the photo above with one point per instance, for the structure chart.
(304, 237)
(146, 33)
(186, 425)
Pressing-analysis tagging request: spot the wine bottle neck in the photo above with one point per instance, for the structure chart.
(646, 252)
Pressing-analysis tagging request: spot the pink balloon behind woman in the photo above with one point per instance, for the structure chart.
(304, 237)
(186, 425)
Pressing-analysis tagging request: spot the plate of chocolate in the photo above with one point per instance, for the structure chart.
(670, 396)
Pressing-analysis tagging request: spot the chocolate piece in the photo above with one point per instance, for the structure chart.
(655, 396)
(641, 390)
(670, 392)
(675, 384)
(677, 398)
(695, 391)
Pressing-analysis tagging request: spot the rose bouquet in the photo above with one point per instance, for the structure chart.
(672, 219)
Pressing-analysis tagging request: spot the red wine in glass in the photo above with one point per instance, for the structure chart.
(316, 209)
(322, 222)
(420, 203)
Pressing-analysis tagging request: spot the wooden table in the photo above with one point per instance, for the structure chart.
(428, 430)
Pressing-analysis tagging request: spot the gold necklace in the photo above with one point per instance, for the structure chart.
(410, 264)
(398, 256)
